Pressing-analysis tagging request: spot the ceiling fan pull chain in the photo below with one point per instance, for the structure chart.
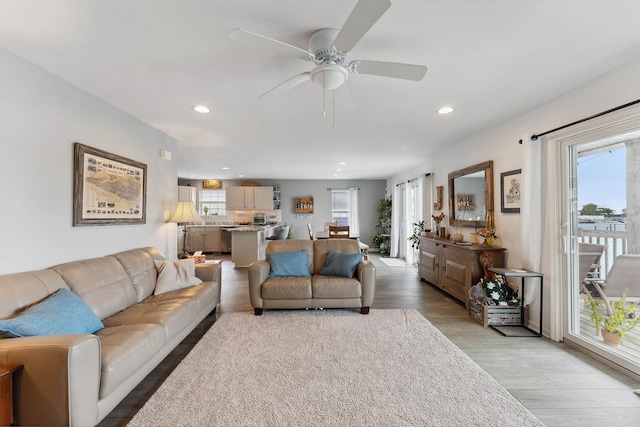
(333, 108)
(324, 91)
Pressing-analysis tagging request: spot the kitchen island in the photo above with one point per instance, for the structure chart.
(248, 244)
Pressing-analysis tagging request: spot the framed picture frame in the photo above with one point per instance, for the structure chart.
(510, 187)
(107, 189)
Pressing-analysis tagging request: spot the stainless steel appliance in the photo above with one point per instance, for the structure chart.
(259, 218)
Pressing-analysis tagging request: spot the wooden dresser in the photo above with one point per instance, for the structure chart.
(454, 268)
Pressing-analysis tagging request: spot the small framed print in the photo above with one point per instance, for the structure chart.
(510, 197)
(107, 189)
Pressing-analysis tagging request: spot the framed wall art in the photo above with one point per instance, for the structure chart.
(107, 189)
(510, 191)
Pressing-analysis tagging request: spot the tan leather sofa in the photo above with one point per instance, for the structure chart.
(314, 291)
(77, 380)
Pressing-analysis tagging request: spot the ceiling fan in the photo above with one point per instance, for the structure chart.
(328, 48)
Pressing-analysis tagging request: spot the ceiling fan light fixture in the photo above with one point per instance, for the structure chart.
(329, 76)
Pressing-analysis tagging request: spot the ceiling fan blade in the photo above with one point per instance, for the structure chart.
(362, 17)
(389, 69)
(288, 84)
(251, 38)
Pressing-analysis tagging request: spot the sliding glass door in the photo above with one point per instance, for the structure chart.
(600, 172)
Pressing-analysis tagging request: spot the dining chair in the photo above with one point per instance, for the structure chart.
(339, 232)
(310, 231)
(329, 224)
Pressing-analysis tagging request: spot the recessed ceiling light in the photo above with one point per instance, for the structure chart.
(240, 176)
(225, 168)
(201, 109)
(335, 174)
(446, 109)
(342, 163)
(338, 170)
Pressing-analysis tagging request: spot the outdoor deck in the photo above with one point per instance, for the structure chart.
(629, 346)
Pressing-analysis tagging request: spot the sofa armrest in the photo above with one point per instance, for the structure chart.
(258, 273)
(60, 379)
(367, 277)
(209, 272)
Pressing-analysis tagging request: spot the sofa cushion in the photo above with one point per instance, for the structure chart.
(125, 349)
(141, 269)
(288, 245)
(61, 313)
(176, 274)
(339, 264)
(102, 283)
(336, 287)
(286, 288)
(289, 264)
(322, 247)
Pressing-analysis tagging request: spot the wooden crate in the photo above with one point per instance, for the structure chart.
(494, 315)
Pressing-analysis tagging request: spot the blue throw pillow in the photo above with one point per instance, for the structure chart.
(339, 264)
(61, 313)
(289, 264)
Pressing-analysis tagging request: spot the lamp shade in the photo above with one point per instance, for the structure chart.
(186, 212)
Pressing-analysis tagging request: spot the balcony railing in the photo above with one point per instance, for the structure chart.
(615, 242)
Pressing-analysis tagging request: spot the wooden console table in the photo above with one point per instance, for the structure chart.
(453, 267)
(6, 393)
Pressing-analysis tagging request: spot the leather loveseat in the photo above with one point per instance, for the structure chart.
(314, 290)
(78, 379)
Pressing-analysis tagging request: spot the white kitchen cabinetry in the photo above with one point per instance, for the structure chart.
(186, 194)
(205, 239)
(249, 197)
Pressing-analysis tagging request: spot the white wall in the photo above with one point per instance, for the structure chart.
(500, 144)
(41, 116)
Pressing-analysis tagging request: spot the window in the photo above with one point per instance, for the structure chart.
(340, 206)
(344, 208)
(212, 202)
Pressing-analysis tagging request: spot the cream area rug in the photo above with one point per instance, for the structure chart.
(393, 262)
(329, 368)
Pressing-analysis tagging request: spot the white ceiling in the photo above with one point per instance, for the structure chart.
(155, 59)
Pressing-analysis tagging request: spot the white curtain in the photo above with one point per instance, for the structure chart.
(532, 208)
(415, 212)
(354, 217)
(395, 222)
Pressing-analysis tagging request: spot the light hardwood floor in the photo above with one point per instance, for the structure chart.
(558, 384)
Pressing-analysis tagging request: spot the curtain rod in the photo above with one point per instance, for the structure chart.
(329, 189)
(536, 136)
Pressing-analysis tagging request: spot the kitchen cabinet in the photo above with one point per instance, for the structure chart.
(186, 194)
(249, 197)
(205, 239)
(455, 268)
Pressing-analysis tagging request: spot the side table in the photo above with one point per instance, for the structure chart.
(520, 330)
(6, 393)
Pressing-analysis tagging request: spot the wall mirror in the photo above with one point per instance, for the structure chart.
(471, 195)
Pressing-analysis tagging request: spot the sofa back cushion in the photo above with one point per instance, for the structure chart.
(290, 245)
(20, 290)
(139, 264)
(322, 247)
(102, 283)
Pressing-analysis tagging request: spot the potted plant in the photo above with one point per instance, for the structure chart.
(418, 228)
(384, 215)
(619, 319)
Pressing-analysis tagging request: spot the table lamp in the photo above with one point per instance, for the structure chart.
(185, 212)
